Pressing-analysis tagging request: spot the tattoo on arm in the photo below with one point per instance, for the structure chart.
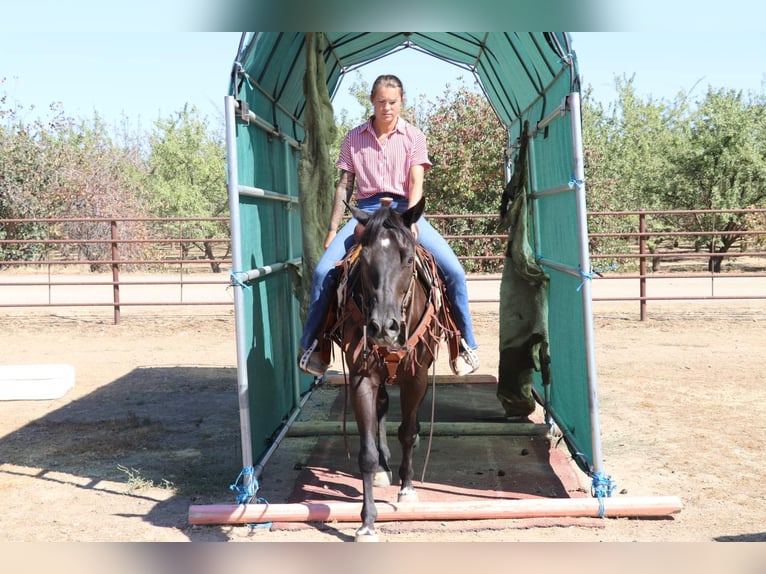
(345, 188)
(347, 181)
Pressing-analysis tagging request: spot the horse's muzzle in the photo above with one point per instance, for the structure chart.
(389, 335)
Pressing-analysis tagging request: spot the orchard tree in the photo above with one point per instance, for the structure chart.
(22, 175)
(187, 174)
(96, 179)
(55, 167)
(466, 141)
(722, 165)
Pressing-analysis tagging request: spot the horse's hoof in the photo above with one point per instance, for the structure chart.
(407, 495)
(382, 478)
(365, 534)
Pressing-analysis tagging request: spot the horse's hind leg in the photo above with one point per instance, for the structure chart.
(383, 474)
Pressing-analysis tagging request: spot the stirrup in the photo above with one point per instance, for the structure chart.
(466, 362)
(311, 361)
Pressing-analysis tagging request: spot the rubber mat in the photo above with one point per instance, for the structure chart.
(461, 464)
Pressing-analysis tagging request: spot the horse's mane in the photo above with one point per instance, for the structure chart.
(386, 218)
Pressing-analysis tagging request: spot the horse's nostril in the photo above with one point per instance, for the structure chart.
(373, 328)
(393, 327)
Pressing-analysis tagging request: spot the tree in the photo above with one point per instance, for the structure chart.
(59, 167)
(187, 174)
(466, 142)
(94, 178)
(722, 166)
(22, 175)
(630, 150)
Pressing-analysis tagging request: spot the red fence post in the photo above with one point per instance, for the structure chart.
(115, 272)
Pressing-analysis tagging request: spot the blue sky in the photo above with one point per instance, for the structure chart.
(144, 76)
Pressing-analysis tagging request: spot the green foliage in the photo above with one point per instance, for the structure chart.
(23, 172)
(59, 167)
(186, 168)
(466, 142)
(661, 155)
(187, 176)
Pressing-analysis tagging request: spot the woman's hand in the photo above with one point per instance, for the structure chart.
(330, 236)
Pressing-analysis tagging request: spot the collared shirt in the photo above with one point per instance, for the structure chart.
(383, 168)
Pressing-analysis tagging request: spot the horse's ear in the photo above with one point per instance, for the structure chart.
(413, 213)
(360, 215)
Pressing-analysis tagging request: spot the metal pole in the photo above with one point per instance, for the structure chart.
(239, 302)
(294, 313)
(587, 301)
(642, 264)
(115, 271)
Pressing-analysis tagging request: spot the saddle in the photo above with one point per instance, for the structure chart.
(435, 324)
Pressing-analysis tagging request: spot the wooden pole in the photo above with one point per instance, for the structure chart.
(319, 428)
(463, 510)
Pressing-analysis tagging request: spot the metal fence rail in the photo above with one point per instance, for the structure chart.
(66, 247)
(111, 262)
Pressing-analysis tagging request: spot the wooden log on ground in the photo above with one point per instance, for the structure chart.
(319, 428)
(339, 379)
(464, 510)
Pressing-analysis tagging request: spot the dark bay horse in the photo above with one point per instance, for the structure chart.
(391, 335)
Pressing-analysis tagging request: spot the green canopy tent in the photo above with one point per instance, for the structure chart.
(532, 82)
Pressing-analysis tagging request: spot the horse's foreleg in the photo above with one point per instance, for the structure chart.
(364, 401)
(411, 397)
(383, 473)
(408, 432)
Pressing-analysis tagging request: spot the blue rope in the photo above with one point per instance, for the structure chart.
(235, 280)
(601, 487)
(254, 525)
(589, 276)
(246, 492)
(576, 182)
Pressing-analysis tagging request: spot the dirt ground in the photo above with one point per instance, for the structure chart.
(151, 427)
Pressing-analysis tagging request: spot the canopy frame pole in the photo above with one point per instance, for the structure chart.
(232, 186)
(585, 291)
(294, 311)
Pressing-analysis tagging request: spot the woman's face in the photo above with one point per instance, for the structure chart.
(387, 103)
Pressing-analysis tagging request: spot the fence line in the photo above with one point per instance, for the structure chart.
(636, 240)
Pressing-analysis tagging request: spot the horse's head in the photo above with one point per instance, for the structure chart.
(386, 271)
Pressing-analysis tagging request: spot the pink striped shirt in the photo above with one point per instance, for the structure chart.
(383, 168)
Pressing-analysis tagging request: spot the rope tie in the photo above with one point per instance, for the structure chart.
(601, 487)
(247, 490)
(576, 182)
(235, 280)
(589, 275)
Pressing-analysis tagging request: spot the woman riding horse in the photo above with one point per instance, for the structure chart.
(387, 158)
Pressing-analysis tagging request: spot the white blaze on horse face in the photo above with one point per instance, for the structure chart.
(385, 242)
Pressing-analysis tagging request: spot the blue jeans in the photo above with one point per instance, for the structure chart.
(323, 280)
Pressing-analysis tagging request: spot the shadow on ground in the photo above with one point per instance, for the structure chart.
(170, 427)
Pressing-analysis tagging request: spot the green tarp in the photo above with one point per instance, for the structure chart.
(527, 77)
